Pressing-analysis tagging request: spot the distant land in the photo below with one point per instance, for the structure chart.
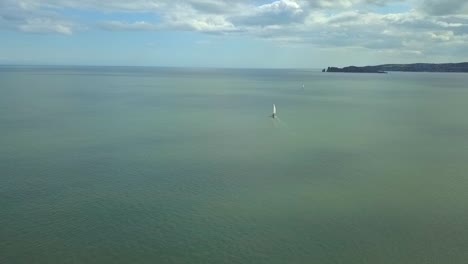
(414, 67)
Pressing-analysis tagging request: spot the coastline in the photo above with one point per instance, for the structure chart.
(461, 67)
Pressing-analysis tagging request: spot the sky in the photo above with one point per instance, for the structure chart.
(236, 33)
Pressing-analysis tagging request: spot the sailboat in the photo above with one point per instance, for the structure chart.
(274, 111)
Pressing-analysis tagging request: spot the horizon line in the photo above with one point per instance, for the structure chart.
(154, 66)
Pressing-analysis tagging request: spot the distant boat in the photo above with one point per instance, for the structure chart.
(273, 115)
(303, 86)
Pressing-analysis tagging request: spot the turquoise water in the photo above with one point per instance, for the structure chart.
(161, 165)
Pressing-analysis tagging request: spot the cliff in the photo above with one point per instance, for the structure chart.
(415, 67)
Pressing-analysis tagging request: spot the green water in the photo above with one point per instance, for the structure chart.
(157, 165)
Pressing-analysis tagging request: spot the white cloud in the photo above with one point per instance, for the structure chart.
(185, 17)
(28, 16)
(441, 36)
(340, 4)
(45, 25)
(275, 13)
(431, 24)
(410, 32)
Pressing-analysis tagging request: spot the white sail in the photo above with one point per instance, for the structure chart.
(274, 109)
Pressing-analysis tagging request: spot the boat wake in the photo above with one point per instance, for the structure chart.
(280, 124)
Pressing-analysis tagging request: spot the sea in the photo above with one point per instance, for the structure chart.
(186, 165)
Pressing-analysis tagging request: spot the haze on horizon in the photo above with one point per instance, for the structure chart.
(238, 33)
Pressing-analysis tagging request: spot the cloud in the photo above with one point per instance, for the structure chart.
(444, 7)
(209, 16)
(275, 13)
(340, 4)
(103, 5)
(206, 24)
(213, 6)
(409, 32)
(45, 25)
(184, 17)
(29, 17)
(126, 26)
(426, 25)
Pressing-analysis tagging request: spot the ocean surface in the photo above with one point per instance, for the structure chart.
(168, 165)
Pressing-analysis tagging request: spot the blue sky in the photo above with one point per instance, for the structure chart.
(237, 33)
